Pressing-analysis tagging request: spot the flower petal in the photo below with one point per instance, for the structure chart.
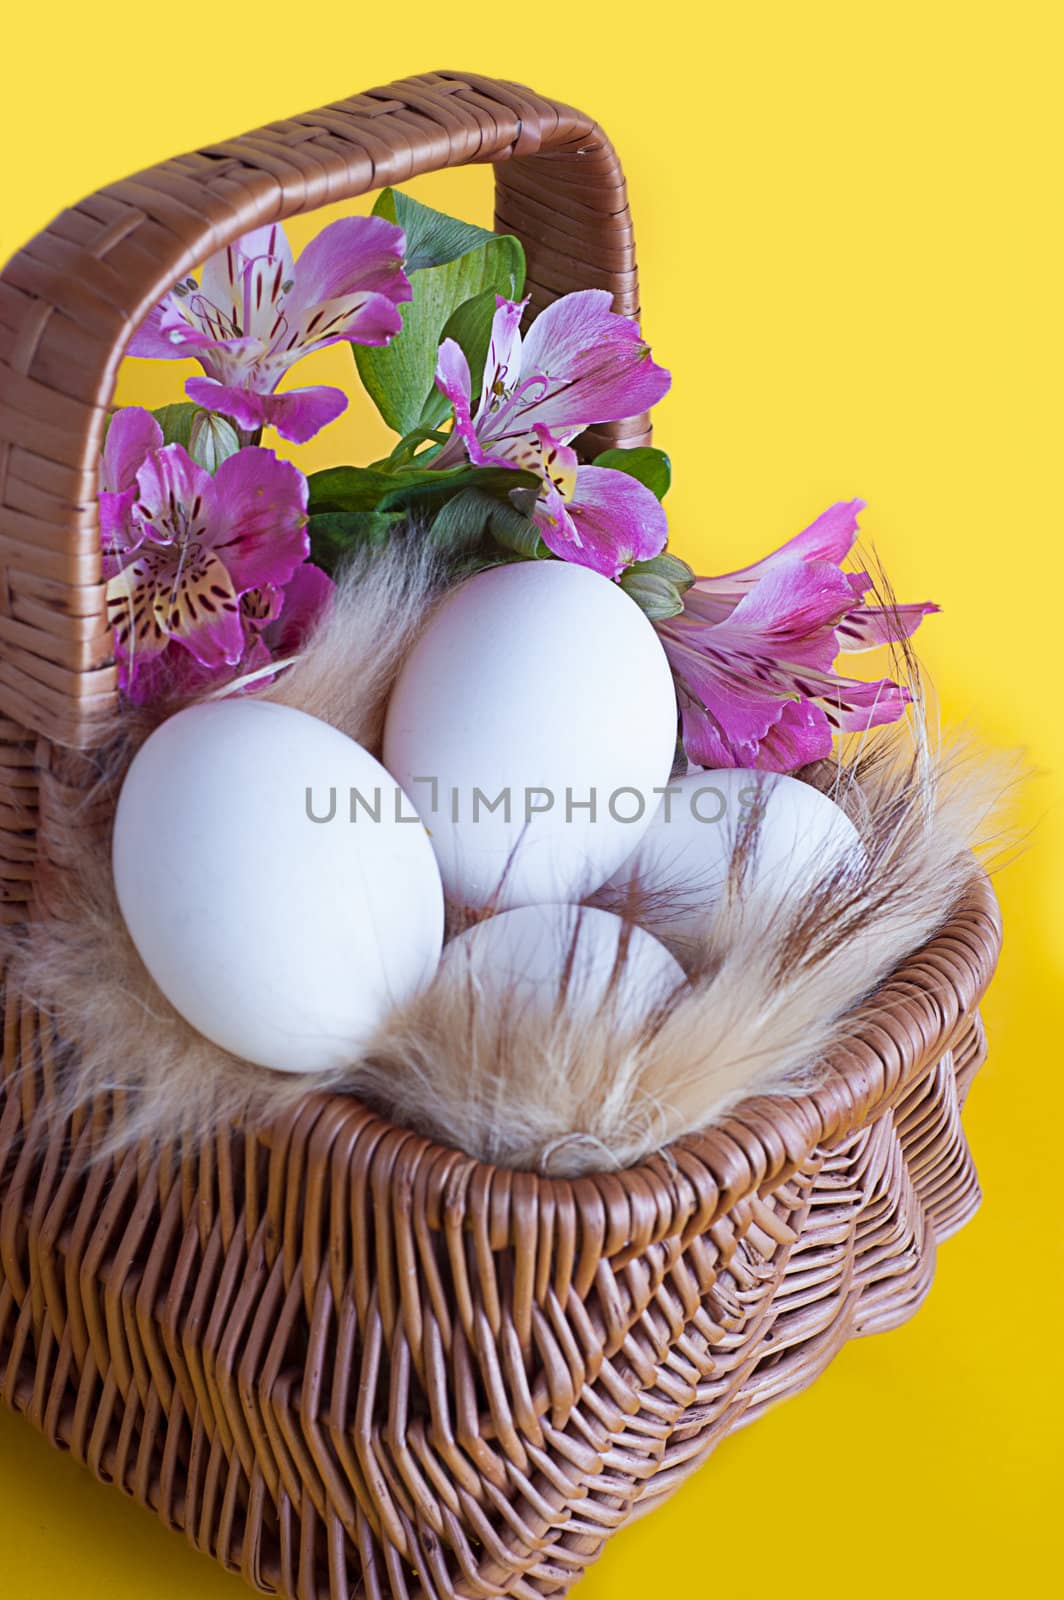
(172, 496)
(298, 414)
(260, 607)
(133, 432)
(370, 319)
(753, 653)
(617, 521)
(557, 529)
(349, 283)
(791, 614)
(117, 529)
(169, 676)
(171, 332)
(502, 367)
(775, 650)
(243, 406)
(256, 518)
(353, 255)
(224, 281)
(152, 339)
(202, 610)
(132, 436)
(162, 595)
(598, 366)
(454, 382)
(829, 538)
(129, 598)
(855, 707)
(801, 733)
(727, 711)
(307, 597)
(865, 627)
(262, 314)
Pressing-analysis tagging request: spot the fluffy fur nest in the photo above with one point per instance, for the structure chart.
(771, 990)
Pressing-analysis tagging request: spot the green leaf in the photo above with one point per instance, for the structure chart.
(654, 595)
(432, 237)
(335, 534)
(462, 523)
(515, 531)
(348, 489)
(471, 511)
(369, 489)
(408, 451)
(427, 489)
(667, 566)
(650, 466)
(473, 518)
(450, 264)
(176, 422)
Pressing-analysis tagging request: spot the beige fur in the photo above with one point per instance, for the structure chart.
(769, 992)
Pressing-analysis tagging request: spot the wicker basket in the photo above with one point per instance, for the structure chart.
(345, 1360)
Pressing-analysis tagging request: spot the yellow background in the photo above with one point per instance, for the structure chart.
(851, 261)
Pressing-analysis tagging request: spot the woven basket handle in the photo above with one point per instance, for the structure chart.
(71, 299)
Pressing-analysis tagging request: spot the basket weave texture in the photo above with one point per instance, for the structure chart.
(345, 1360)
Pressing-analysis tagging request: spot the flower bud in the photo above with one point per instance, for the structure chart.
(654, 595)
(669, 567)
(212, 439)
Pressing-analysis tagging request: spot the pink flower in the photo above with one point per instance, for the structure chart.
(196, 546)
(580, 364)
(753, 653)
(256, 312)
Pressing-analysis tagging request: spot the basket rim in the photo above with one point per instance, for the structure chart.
(914, 1017)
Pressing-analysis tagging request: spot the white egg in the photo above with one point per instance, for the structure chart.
(532, 725)
(524, 962)
(271, 907)
(682, 863)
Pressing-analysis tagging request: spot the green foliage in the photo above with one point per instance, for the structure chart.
(474, 517)
(432, 237)
(176, 422)
(465, 509)
(336, 534)
(477, 516)
(455, 272)
(373, 489)
(650, 466)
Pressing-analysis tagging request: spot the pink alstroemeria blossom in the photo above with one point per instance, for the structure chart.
(753, 653)
(255, 312)
(579, 364)
(204, 543)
